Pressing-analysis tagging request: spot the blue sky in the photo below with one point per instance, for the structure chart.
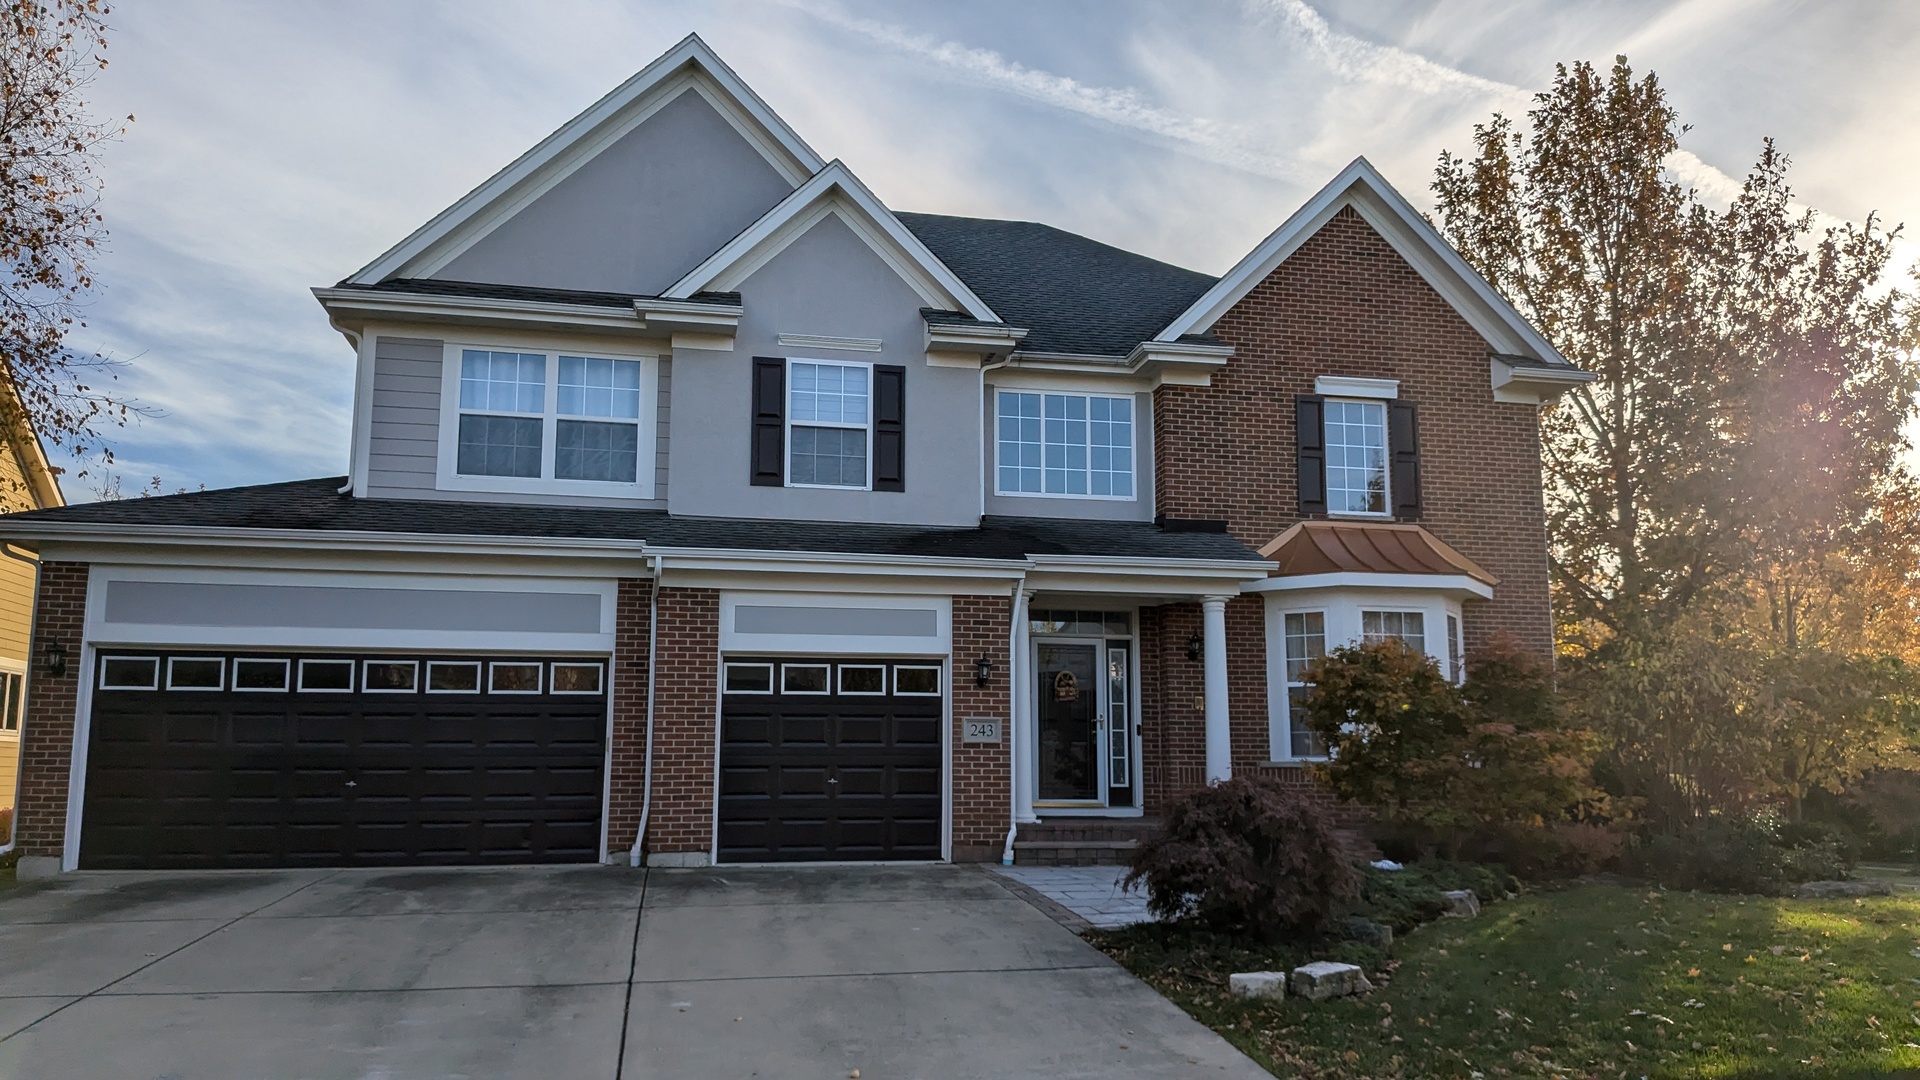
(282, 146)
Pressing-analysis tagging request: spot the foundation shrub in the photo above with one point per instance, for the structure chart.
(1754, 853)
(1247, 856)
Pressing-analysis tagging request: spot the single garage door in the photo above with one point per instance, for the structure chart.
(830, 759)
(260, 760)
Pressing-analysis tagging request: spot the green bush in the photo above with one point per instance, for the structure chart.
(1246, 856)
(1757, 853)
(1406, 898)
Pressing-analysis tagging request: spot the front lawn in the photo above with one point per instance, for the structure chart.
(1592, 981)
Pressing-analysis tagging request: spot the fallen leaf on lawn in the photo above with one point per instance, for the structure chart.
(1777, 949)
(1693, 973)
(1728, 947)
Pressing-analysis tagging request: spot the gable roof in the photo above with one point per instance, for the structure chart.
(1362, 187)
(690, 66)
(834, 190)
(1072, 293)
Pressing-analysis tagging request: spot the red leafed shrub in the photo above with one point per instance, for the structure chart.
(1247, 856)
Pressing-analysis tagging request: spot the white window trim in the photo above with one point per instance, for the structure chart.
(1282, 736)
(782, 684)
(300, 676)
(541, 677)
(553, 680)
(840, 680)
(935, 668)
(787, 421)
(479, 676)
(221, 660)
(773, 677)
(1386, 468)
(449, 479)
(110, 657)
(368, 687)
(286, 675)
(1133, 445)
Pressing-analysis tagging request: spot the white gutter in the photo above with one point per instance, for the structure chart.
(26, 683)
(653, 649)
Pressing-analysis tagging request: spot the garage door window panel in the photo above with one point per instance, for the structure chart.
(453, 677)
(391, 676)
(916, 681)
(255, 676)
(804, 679)
(863, 679)
(513, 678)
(196, 673)
(576, 678)
(129, 673)
(749, 679)
(326, 676)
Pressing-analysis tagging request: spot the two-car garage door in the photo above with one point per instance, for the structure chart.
(265, 759)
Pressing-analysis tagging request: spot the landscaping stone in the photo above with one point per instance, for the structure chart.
(1366, 931)
(1268, 985)
(1836, 890)
(1325, 979)
(1461, 904)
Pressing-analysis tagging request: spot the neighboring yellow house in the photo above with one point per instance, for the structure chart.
(26, 483)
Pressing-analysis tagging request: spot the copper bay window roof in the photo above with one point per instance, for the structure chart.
(1367, 547)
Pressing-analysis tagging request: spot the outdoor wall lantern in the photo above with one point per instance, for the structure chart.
(1196, 648)
(983, 671)
(54, 660)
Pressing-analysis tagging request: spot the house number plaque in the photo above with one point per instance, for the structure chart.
(979, 729)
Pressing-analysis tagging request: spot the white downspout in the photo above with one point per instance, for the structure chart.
(653, 639)
(1013, 719)
(26, 680)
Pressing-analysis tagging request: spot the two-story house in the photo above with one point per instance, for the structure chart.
(703, 508)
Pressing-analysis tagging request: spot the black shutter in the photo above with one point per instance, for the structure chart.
(769, 421)
(889, 428)
(1403, 451)
(1309, 429)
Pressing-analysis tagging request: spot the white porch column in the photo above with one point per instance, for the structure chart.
(1213, 630)
(1024, 733)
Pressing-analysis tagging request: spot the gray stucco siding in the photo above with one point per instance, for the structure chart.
(639, 215)
(1139, 508)
(828, 282)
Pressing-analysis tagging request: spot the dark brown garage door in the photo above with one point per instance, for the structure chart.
(257, 760)
(830, 759)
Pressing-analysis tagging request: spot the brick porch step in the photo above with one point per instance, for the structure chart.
(1081, 841)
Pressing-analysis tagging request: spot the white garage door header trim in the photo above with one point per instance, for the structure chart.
(835, 624)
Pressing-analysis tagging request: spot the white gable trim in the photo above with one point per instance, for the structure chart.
(834, 190)
(688, 66)
(1362, 187)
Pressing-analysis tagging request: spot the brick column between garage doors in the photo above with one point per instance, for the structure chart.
(685, 718)
(982, 797)
(626, 758)
(46, 733)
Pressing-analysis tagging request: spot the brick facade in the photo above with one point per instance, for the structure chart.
(626, 758)
(46, 733)
(982, 806)
(1173, 725)
(1346, 303)
(685, 721)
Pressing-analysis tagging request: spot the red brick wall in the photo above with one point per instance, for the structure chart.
(627, 756)
(982, 799)
(685, 719)
(1346, 304)
(1173, 725)
(46, 734)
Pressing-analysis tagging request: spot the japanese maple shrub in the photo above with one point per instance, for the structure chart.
(1246, 856)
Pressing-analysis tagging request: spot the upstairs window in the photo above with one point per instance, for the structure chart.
(1065, 444)
(1356, 457)
(546, 421)
(828, 418)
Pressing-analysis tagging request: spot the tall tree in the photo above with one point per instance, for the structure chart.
(50, 220)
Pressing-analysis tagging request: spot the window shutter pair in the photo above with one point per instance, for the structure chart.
(889, 403)
(1403, 455)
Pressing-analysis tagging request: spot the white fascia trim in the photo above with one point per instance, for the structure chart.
(1458, 585)
(991, 342)
(121, 535)
(786, 222)
(1355, 387)
(1530, 383)
(1178, 363)
(1361, 186)
(1108, 565)
(745, 559)
(492, 201)
(470, 309)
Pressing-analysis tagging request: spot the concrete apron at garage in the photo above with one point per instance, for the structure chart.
(931, 971)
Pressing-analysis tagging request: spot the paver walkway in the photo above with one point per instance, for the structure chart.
(1091, 892)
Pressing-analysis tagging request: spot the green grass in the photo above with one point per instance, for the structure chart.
(1593, 981)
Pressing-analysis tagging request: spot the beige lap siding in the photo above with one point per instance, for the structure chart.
(626, 779)
(1346, 303)
(685, 722)
(46, 748)
(981, 794)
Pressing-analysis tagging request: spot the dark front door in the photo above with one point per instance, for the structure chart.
(222, 761)
(829, 759)
(1069, 712)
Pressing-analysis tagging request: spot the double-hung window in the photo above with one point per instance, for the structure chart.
(829, 421)
(1306, 644)
(546, 421)
(1407, 626)
(1065, 444)
(1356, 444)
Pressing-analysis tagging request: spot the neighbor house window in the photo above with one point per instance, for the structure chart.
(15, 683)
(1065, 444)
(1356, 434)
(538, 421)
(1306, 643)
(828, 417)
(1407, 626)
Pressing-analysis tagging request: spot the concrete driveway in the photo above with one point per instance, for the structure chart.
(561, 973)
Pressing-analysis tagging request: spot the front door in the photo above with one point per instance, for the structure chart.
(1068, 694)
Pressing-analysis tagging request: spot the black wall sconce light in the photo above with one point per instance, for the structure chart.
(54, 659)
(1196, 648)
(983, 671)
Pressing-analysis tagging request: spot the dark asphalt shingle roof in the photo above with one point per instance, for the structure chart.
(315, 506)
(1073, 294)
